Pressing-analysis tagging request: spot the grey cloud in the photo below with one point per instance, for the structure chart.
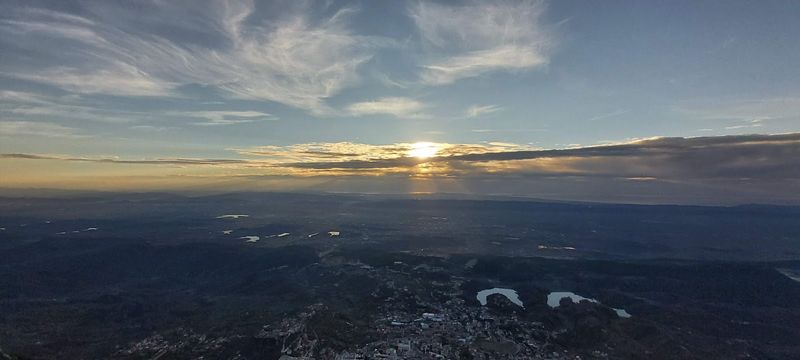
(730, 158)
(740, 157)
(703, 170)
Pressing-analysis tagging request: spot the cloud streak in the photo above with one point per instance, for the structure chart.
(225, 117)
(396, 106)
(40, 129)
(111, 160)
(480, 110)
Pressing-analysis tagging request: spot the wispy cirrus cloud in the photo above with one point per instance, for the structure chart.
(115, 78)
(59, 108)
(26, 104)
(293, 60)
(609, 115)
(747, 124)
(468, 40)
(396, 106)
(479, 110)
(40, 129)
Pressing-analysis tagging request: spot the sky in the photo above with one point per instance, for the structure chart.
(624, 101)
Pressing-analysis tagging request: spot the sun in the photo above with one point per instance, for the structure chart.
(423, 150)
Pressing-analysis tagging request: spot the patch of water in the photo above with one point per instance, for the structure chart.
(510, 294)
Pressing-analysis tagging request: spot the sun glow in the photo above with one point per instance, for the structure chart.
(423, 150)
